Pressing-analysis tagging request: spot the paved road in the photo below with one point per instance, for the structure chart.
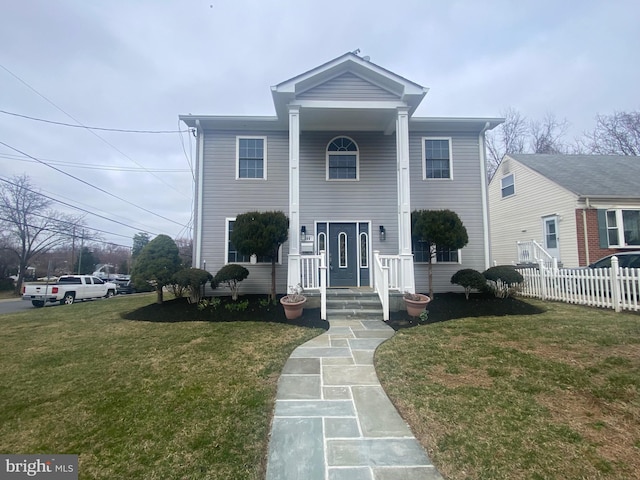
(14, 305)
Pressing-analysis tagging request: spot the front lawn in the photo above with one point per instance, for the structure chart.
(549, 395)
(139, 399)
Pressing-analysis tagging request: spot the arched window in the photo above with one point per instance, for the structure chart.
(342, 159)
(342, 250)
(322, 242)
(364, 250)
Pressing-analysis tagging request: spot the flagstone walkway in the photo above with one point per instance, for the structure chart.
(333, 420)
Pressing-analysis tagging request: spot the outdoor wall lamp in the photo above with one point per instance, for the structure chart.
(383, 233)
(303, 230)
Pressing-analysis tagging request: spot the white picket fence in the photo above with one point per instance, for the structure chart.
(615, 287)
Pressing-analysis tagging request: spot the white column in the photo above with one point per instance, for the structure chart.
(293, 277)
(407, 282)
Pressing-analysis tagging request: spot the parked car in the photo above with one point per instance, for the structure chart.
(124, 285)
(625, 259)
(67, 290)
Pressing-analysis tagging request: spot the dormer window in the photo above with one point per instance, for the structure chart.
(342, 159)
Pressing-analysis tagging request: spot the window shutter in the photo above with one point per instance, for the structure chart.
(602, 229)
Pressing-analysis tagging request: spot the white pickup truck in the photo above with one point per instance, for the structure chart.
(67, 290)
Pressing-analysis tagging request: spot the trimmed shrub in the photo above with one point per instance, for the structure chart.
(469, 279)
(231, 275)
(191, 280)
(503, 280)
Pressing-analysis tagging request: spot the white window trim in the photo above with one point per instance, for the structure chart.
(226, 247)
(264, 159)
(619, 227)
(502, 187)
(424, 159)
(357, 153)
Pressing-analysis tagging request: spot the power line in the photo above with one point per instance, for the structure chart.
(96, 167)
(90, 131)
(121, 130)
(78, 208)
(89, 184)
(64, 233)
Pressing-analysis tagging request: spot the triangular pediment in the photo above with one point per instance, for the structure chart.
(348, 78)
(347, 86)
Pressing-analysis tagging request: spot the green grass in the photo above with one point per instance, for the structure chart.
(553, 395)
(137, 399)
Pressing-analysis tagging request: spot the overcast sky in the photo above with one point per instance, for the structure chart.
(137, 65)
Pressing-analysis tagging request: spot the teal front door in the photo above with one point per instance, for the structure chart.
(343, 255)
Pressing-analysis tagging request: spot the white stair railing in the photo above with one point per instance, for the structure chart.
(313, 276)
(381, 282)
(531, 251)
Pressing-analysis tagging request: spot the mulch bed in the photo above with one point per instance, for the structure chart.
(449, 306)
(445, 306)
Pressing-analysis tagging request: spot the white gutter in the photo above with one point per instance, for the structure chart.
(197, 237)
(483, 186)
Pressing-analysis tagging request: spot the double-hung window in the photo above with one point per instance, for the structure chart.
(251, 157)
(421, 253)
(342, 159)
(507, 186)
(233, 256)
(623, 227)
(437, 161)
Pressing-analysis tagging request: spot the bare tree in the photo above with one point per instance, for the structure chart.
(185, 247)
(546, 136)
(30, 226)
(617, 134)
(509, 137)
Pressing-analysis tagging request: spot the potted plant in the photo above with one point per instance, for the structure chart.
(416, 303)
(293, 303)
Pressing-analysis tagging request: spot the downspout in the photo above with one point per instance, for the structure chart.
(584, 226)
(483, 186)
(197, 240)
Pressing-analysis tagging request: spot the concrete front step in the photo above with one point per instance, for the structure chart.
(356, 314)
(353, 304)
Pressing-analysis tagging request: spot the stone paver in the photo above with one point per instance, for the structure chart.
(333, 420)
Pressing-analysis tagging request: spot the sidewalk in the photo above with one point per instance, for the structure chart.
(333, 421)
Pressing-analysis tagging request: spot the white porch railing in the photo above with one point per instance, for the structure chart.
(531, 251)
(386, 276)
(615, 287)
(313, 276)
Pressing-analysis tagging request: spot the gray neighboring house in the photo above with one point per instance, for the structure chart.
(347, 161)
(579, 208)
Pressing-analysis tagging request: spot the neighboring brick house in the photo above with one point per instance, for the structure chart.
(346, 159)
(579, 207)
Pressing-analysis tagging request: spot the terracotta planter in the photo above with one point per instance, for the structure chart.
(416, 307)
(292, 310)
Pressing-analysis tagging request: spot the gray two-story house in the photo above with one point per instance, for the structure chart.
(347, 161)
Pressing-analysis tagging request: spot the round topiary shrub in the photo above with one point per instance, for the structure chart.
(469, 279)
(231, 275)
(503, 280)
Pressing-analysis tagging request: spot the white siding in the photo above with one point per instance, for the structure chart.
(519, 217)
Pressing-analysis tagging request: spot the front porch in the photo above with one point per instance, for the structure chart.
(384, 296)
